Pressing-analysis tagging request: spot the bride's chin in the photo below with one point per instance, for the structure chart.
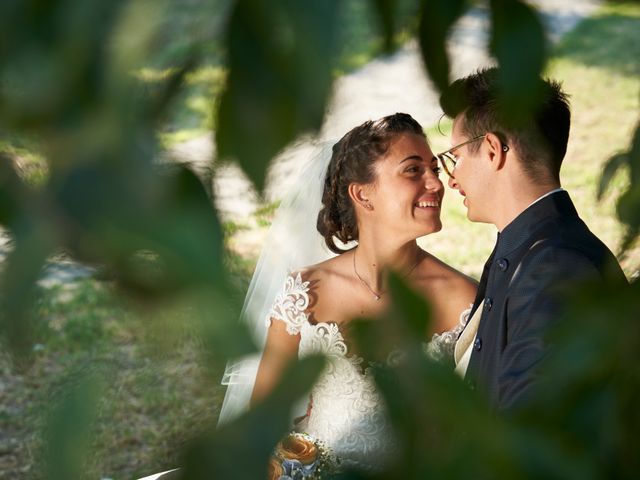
(432, 228)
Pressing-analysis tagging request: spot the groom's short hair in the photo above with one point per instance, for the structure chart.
(540, 140)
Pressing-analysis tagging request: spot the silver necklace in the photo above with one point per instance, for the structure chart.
(375, 294)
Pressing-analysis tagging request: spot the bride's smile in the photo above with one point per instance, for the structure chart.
(428, 204)
(407, 193)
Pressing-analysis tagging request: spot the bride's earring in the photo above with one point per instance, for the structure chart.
(359, 196)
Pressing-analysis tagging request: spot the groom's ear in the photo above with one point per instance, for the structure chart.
(359, 195)
(496, 151)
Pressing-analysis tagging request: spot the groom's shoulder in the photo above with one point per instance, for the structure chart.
(567, 244)
(568, 232)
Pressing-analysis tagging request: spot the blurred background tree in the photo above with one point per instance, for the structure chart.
(92, 93)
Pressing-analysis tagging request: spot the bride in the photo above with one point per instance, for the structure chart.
(379, 192)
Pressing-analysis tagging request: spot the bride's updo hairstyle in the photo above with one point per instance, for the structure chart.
(352, 161)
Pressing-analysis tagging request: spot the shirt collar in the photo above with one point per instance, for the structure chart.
(556, 190)
(551, 204)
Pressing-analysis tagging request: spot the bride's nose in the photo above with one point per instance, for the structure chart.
(432, 183)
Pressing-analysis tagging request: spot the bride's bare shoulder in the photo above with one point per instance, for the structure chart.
(449, 290)
(330, 289)
(327, 276)
(448, 274)
(333, 267)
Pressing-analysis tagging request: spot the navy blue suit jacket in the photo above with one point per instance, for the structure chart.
(545, 248)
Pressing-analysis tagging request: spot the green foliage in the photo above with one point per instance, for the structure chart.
(279, 78)
(628, 203)
(69, 428)
(438, 16)
(395, 18)
(254, 435)
(72, 75)
(592, 415)
(518, 43)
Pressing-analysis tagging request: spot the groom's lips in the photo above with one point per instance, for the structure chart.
(464, 195)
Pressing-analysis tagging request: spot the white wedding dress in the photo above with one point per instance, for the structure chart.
(346, 410)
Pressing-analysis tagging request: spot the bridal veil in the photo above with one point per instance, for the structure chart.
(291, 243)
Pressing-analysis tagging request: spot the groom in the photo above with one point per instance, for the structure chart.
(510, 177)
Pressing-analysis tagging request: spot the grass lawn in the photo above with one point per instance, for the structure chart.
(156, 389)
(154, 393)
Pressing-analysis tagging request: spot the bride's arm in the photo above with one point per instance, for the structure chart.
(451, 315)
(281, 348)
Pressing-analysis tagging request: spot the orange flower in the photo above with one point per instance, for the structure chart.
(275, 470)
(297, 447)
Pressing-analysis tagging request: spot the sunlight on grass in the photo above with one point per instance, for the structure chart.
(30, 166)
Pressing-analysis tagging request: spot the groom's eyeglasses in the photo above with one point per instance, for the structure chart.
(449, 160)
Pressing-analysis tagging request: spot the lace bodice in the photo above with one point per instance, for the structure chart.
(347, 411)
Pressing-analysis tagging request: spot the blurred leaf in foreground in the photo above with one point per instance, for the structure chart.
(594, 415)
(629, 201)
(518, 43)
(241, 449)
(69, 427)
(437, 17)
(280, 60)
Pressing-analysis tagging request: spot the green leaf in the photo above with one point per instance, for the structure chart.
(111, 218)
(634, 158)
(241, 449)
(68, 429)
(404, 327)
(629, 207)
(186, 232)
(52, 60)
(12, 191)
(437, 17)
(609, 170)
(410, 308)
(386, 14)
(518, 43)
(33, 243)
(279, 78)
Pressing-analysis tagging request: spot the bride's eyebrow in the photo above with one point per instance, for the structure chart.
(412, 157)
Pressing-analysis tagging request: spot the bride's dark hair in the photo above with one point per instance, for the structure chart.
(352, 161)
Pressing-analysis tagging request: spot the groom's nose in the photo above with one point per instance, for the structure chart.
(453, 183)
